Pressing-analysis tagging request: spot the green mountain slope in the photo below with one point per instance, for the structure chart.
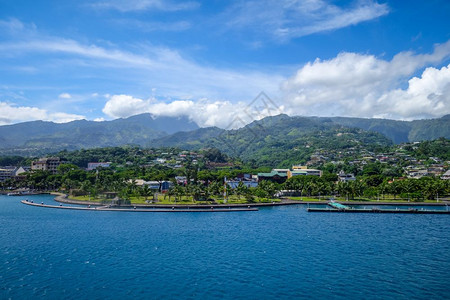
(401, 131)
(279, 140)
(49, 136)
(257, 138)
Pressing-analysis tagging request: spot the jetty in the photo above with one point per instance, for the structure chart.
(136, 209)
(384, 211)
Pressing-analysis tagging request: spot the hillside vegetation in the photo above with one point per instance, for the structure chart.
(296, 134)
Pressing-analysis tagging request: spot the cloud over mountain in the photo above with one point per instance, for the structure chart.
(11, 113)
(363, 85)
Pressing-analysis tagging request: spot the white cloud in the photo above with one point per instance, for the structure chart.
(60, 117)
(427, 96)
(153, 26)
(121, 106)
(287, 19)
(166, 69)
(142, 5)
(354, 84)
(10, 113)
(204, 112)
(12, 25)
(64, 96)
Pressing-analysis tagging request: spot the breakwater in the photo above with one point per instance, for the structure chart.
(385, 211)
(136, 209)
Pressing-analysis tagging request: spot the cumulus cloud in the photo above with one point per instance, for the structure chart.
(204, 112)
(10, 113)
(121, 106)
(427, 96)
(353, 84)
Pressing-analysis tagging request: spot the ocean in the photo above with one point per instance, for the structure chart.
(274, 253)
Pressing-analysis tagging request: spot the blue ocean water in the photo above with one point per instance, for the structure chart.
(278, 252)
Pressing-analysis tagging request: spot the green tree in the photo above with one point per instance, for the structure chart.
(241, 189)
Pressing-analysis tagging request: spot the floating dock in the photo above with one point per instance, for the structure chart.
(135, 209)
(385, 211)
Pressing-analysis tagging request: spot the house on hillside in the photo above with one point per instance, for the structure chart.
(446, 175)
(94, 165)
(343, 177)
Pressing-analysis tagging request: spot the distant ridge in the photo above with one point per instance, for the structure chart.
(138, 130)
(33, 138)
(401, 131)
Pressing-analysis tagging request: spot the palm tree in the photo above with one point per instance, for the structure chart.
(196, 191)
(241, 189)
(179, 192)
(383, 188)
(170, 193)
(145, 191)
(343, 188)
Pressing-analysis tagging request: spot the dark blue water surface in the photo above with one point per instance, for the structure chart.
(279, 252)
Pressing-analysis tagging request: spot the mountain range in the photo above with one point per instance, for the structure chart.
(39, 137)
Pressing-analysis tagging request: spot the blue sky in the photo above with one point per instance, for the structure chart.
(106, 59)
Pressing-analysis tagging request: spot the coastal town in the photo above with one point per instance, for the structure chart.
(135, 174)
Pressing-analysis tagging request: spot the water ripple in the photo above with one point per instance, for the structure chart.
(274, 253)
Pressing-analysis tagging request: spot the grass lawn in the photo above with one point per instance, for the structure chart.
(308, 199)
(84, 198)
(387, 198)
(233, 199)
(185, 200)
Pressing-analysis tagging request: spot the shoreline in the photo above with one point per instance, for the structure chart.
(63, 198)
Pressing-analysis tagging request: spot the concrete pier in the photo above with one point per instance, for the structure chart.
(382, 211)
(133, 209)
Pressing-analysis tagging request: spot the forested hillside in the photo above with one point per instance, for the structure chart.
(40, 137)
(282, 133)
(401, 131)
(279, 140)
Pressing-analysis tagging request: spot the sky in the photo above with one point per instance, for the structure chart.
(210, 60)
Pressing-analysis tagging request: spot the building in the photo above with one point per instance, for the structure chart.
(246, 179)
(435, 170)
(446, 175)
(154, 185)
(234, 183)
(274, 175)
(95, 165)
(416, 173)
(181, 180)
(342, 177)
(303, 170)
(7, 173)
(50, 164)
